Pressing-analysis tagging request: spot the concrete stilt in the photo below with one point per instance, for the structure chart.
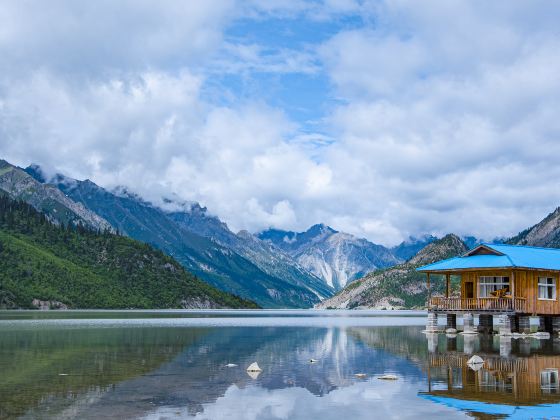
(547, 324)
(505, 325)
(505, 345)
(523, 324)
(451, 326)
(556, 325)
(556, 345)
(542, 324)
(525, 346)
(432, 342)
(468, 343)
(468, 324)
(452, 343)
(485, 324)
(432, 323)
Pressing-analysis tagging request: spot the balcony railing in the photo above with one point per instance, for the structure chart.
(490, 304)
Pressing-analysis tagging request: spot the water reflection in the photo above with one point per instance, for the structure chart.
(92, 369)
(165, 368)
(518, 379)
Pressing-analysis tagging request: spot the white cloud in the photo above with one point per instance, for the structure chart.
(442, 117)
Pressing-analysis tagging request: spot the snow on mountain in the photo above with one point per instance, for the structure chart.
(336, 257)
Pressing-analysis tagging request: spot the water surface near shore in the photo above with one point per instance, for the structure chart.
(173, 364)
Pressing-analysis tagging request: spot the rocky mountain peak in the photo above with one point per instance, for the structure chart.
(448, 246)
(545, 233)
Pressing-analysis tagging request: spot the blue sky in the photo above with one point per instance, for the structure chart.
(382, 118)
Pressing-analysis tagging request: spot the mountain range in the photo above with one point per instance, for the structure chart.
(240, 264)
(54, 266)
(275, 268)
(402, 287)
(336, 257)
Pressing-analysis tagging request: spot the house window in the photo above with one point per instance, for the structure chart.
(547, 288)
(488, 285)
(549, 381)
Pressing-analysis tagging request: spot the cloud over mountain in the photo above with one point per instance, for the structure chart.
(382, 119)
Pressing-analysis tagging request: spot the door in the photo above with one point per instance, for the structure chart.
(469, 290)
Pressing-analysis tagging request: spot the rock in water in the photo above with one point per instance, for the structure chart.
(231, 365)
(313, 360)
(475, 360)
(253, 375)
(254, 367)
(388, 377)
(360, 375)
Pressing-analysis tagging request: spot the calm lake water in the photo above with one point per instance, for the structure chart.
(172, 364)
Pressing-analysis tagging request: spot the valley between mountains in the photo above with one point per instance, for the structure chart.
(67, 243)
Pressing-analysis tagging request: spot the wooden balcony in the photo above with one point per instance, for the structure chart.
(490, 304)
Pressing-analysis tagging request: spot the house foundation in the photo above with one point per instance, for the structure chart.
(485, 323)
(432, 323)
(523, 324)
(468, 324)
(555, 322)
(451, 322)
(505, 325)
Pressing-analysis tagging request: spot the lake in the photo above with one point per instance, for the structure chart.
(174, 364)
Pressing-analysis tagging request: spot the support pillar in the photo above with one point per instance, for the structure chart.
(451, 323)
(542, 324)
(468, 343)
(505, 345)
(505, 325)
(432, 342)
(525, 346)
(556, 325)
(485, 324)
(523, 324)
(468, 324)
(432, 323)
(547, 324)
(452, 343)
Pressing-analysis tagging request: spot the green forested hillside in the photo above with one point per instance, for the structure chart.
(85, 269)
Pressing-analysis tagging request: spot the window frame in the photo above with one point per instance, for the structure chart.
(483, 284)
(554, 287)
(549, 381)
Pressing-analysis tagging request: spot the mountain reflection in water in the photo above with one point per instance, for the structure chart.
(165, 367)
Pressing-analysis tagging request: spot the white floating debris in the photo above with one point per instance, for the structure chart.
(62, 374)
(231, 365)
(254, 367)
(360, 375)
(388, 377)
(313, 360)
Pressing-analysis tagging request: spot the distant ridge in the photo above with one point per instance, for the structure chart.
(336, 257)
(46, 266)
(398, 287)
(222, 258)
(546, 233)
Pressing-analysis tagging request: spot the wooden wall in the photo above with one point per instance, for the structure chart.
(524, 374)
(524, 285)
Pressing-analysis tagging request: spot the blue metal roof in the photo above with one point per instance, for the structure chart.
(507, 256)
(511, 411)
